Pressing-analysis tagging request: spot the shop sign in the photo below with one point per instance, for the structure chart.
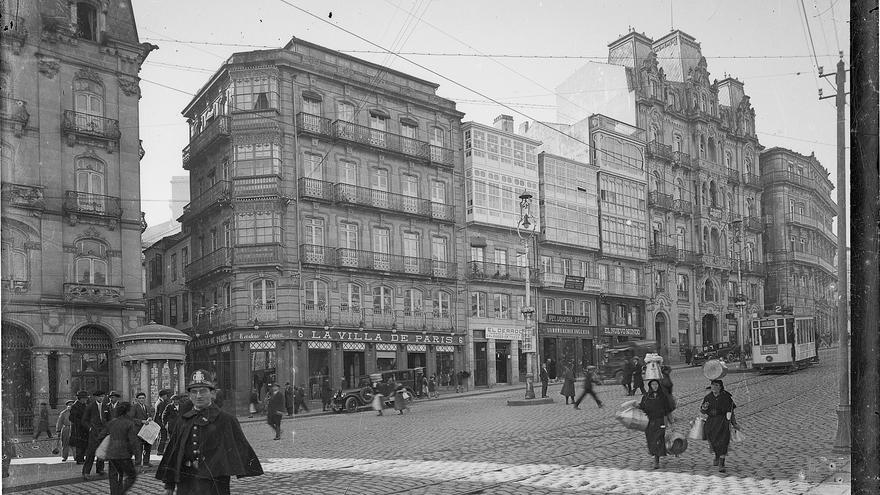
(574, 282)
(579, 331)
(500, 333)
(624, 331)
(571, 319)
(332, 335)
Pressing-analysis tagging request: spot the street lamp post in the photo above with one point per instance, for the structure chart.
(740, 298)
(525, 229)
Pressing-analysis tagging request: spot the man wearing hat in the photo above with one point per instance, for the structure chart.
(275, 410)
(79, 435)
(95, 419)
(206, 447)
(62, 430)
(114, 401)
(159, 408)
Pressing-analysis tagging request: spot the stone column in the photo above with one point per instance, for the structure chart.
(126, 381)
(145, 377)
(64, 392)
(181, 377)
(41, 378)
(514, 361)
(491, 374)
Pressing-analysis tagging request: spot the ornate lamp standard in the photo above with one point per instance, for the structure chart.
(525, 229)
(740, 298)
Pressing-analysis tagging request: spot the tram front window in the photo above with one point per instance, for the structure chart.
(768, 336)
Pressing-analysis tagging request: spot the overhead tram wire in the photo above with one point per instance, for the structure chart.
(813, 45)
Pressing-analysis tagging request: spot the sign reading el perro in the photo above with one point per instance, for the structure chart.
(332, 335)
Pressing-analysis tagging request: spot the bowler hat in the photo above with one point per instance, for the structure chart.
(164, 392)
(114, 393)
(99, 393)
(199, 378)
(82, 394)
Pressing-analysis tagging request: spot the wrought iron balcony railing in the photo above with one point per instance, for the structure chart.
(258, 187)
(15, 112)
(686, 257)
(212, 319)
(380, 139)
(659, 150)
(683, 206)
(716, 261)
(314, 189)
(658, 199)
(376, 261)
(623, 288)
(218, 261)
(363, 196)
(218, 193)
(751, 180)
(80, 123)
(92, 204)
(259, 254)
(217, 128)
(313, 124)
(753, 223)
(23, 196)
(485, 270)
(682, 159)
(662, 252)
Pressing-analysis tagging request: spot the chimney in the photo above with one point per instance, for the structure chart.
(505, 123)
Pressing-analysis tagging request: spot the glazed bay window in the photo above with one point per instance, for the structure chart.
(441, 304)
(263, 300)
(257, 159)
(90, 264)
(259, 92)
(258, 227)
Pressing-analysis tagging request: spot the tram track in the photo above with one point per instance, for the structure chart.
(597, 437)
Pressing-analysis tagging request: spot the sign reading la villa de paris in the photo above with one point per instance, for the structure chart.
(334, 335)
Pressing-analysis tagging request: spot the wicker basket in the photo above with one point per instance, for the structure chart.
(715, 369)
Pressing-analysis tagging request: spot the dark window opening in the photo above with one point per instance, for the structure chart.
(86, 21)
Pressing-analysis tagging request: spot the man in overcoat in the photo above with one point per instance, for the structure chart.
(275, 410)
(206, 447)
(95, 419)
(79, 434)
(142, 413)
(159, 408)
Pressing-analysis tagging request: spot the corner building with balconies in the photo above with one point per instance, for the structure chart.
(801, 245)
(323, 227)
(72, 293)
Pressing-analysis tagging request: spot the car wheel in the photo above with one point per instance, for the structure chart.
(351, 404)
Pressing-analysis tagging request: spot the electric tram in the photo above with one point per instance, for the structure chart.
(783, 342)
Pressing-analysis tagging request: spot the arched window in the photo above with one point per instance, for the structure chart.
(715, 242)
(16, 269)
(383, 300)
(702, 146)
(657, 182)
(749, 253)
(676, 140)
(750, 206)
(681, 238)
(712, 152)
(316, 294)
(728, 159)
(90, 184)
(263, 295)
(748, 165)
(86, 21)
(88, 102)
(704, 198)
(351, 299)
(709, 292)
(731, 205)
(705, 240)
(412, 302)
(90, 263)
(713, 194)
(441, 304)
(679, 189)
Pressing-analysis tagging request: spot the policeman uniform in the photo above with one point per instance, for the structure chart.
(205, 449)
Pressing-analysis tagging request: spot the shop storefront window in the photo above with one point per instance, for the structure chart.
(386, 356)
(319, 369)
(263, 361)
(445, 364)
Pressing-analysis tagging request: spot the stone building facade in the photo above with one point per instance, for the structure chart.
(324, 222)
(71, 199)
(801, 244)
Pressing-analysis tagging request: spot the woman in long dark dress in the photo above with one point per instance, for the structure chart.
(718, 407)
(568, 384)
(656, 406)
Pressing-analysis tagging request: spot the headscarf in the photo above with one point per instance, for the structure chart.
(719, 382)
(659, 390)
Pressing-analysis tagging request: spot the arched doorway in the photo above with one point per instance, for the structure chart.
(17, 376)
(90, 362)
(660, 332)
(710, 329)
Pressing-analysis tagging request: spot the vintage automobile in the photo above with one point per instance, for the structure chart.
(726, 351)
(615, 357)
(350, 400)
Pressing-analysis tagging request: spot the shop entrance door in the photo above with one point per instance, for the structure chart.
(352, 367)
(502, 355)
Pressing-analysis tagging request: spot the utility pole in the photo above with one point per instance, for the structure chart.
(842, 442)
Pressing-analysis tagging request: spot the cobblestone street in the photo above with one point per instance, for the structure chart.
(478, 444)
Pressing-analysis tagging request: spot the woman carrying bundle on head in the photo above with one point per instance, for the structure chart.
(656, 406)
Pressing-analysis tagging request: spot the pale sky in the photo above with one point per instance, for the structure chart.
(515, 52)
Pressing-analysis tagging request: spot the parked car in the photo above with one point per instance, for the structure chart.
(350, 400)
(615, 357)
(726, 351)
